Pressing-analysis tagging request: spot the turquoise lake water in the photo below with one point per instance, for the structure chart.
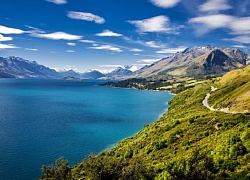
(42, 120)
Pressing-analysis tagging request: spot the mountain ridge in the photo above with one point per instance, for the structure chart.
(192, 63)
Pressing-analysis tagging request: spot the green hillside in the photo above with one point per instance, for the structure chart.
(233, 91)
(187, 142)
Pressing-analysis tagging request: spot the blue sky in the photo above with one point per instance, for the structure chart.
(105, 34)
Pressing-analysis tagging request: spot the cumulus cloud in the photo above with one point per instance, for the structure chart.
(148, 61)
(239, 46)
(107, 47)
(71, 44)
(213, 21)
(110, 65)
(86, 17)
(165, 3)
(210, 22)
(240, 25)
(108, 33)
(136, 50)
(154, 44)
(236, 25)
(215, 6)
(3, 38)
(240, 39)
(171, 50)
(7, 46)
(160, 24)
(57, 36)
(70, 51)
(87, 41)
(31, 49)
(58, 1)
(9, 30)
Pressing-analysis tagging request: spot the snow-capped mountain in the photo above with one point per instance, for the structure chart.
(121, 71)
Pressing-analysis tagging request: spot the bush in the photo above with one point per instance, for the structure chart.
(59, 171)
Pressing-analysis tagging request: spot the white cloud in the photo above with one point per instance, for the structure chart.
(70, 51)
(207, 23)
(2, 38)
(57, 36)
(136, 50)
(149, 61)
(215, 6)
(107, 47)
(88, 41)
(171, 50)
(8, 30)
(110, 65)
(213, 21)
(160, 24)
(108, 33)
(240, 39)
(71, 44)
(8, 46)
(154, 44)
(210, 22)
(58, 1)
(31, 49)
(165, 3)
(240, 25)
(34, 30)
(239, 46)
(86, 17)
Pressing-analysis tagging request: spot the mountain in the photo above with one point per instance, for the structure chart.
(92, 74)
(121, 71)
(196, 62)
(69, 73)
(15, 67)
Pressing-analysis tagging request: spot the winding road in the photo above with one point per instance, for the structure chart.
(205, 103)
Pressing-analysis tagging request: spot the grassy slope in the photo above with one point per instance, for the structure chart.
(166, 148)
(234, 91)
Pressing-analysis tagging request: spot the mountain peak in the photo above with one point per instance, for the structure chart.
(198, 61)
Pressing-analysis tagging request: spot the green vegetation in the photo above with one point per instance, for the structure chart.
(233, 91)
(173, 84)
(187, 142)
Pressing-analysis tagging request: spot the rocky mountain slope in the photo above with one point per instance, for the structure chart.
(197, 62)
(15, 67)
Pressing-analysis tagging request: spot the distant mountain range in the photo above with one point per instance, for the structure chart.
(16, 67)
(192, 62)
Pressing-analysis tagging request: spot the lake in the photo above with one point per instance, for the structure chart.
(44, 119)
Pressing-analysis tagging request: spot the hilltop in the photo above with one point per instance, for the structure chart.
(188, 142)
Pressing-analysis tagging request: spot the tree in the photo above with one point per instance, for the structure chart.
(59, 171)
